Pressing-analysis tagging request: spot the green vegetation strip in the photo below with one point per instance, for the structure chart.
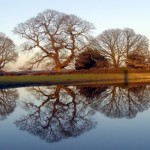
(58, 78)
(77, 78)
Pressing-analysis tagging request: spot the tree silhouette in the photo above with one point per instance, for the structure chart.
(91, 92)
(120, 102)
(8, 99)
(56, 114)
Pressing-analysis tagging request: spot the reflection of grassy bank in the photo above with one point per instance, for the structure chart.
(102, 78)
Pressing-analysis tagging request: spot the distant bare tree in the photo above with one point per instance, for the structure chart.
(116, 44)
(54, 34)
(7, 51)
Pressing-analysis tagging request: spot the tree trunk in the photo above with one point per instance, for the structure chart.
(57, 69)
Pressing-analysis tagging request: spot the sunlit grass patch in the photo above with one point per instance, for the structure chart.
(69, 78)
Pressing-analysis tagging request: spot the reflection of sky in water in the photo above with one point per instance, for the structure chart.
(123, 133)
(108, 134)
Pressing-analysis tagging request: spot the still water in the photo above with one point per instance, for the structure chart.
(114, 117)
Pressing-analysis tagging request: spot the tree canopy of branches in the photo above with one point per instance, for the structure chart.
(56, 36)
(7, 51)
(91, 58)
(117, 44)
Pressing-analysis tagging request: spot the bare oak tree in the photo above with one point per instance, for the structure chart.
(116, 44)
(7, 51)
(56, 35)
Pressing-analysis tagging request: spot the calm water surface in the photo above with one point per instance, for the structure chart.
(63, 117)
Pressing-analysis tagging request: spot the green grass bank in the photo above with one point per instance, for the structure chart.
(102, 78)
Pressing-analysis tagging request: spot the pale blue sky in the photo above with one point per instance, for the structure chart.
(104, 14)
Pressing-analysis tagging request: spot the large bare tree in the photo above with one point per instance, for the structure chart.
(7, 51)
(56, 35)
(116, 44)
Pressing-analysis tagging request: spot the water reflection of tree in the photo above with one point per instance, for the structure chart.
(56, 114)
(92, 92)
(119, 101)
(8, 99)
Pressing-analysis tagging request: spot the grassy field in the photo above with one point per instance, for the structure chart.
(103, 78)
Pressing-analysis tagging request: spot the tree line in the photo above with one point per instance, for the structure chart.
(60, 39)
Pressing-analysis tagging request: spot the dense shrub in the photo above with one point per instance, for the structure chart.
(91, 59)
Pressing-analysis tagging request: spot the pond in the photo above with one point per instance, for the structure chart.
(61, 117)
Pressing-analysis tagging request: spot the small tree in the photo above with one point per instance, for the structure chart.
(91, 59)
(136, 61)
(7, 51)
